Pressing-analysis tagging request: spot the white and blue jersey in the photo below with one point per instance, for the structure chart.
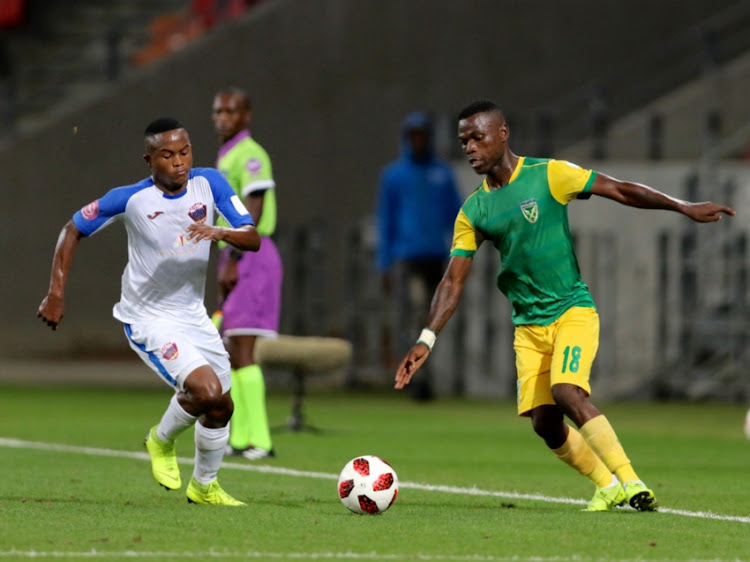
(166, 273)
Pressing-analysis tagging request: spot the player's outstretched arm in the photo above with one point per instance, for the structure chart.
(244, 238)
(51, 309)
(444, 303)
(645, 197)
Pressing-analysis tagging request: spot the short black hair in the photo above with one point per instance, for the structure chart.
(161, 125)
(480, 106)
(239, 92)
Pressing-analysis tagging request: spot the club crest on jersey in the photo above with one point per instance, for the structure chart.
(91, 211)
(530, 210)
(254, 165)
(198, 213)
(169, 351)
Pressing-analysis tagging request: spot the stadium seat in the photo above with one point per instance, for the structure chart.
(303, 356)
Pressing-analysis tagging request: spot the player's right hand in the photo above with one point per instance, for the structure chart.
(410, 364)
(51, 311)
(707, 211)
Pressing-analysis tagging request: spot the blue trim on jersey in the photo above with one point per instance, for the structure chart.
(152, 357)
(111, 204)
(175, 195)
(115, 201)
(223, 193)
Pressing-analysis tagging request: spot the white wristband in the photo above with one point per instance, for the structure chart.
(427, 337)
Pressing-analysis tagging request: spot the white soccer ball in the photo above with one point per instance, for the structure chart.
(368, 484)
(747, 424)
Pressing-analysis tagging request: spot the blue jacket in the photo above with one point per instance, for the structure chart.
(417, 204)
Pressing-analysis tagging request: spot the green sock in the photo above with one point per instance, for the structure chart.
(250, 427)
(239, 432)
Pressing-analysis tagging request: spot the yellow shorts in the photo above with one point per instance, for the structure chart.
(561, 352)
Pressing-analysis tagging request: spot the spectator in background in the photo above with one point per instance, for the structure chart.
(417, 205)
(249, 282)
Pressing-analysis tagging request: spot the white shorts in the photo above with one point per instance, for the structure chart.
(174, 350)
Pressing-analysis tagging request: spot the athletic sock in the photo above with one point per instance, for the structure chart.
(260, 431)
(209, 451)
(600, 436)
(576, 453)
(239, 426)
(251, 427)
(174, 421)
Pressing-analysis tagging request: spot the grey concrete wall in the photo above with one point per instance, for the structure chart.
(685, 113)
(330, 80)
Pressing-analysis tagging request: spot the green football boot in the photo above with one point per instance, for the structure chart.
(163, 461)
(606, 499)
(209, 494)
(639, 496)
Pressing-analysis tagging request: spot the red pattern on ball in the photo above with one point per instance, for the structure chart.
(345, 488)
(361, 466)
(393, 499)
(367, 505)
(383, 482)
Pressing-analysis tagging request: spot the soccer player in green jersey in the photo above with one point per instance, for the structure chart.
(521, 208)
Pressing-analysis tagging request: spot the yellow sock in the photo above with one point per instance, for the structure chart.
(576, 453)
(600, 436)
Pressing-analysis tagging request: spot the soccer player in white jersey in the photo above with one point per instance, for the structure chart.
(168, 218)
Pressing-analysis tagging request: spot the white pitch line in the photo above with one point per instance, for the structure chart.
(474, 491)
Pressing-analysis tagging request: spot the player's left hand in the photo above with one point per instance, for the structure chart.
(410, 364)
(707, 211)
(198, 232)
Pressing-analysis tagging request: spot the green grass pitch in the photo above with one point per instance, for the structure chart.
(476, 483)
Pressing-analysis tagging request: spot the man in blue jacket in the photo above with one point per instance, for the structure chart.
(417, 205)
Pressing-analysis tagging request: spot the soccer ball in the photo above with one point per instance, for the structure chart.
(368, 484)
(747, 424)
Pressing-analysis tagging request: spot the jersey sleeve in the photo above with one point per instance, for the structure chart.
(102, 212)
(568, 181)
(228, 204)
(466, 239)
(256, 174)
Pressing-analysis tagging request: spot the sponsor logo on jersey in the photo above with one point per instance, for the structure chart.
(156, 214)
(169, 351)
(254, 165)
(198, 213)
(530, 210)
(91, 211)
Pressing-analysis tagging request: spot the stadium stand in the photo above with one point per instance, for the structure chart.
(315, 70)
(60, 50)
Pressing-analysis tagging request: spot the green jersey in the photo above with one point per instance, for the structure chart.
(247, 167)
(527, 221)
